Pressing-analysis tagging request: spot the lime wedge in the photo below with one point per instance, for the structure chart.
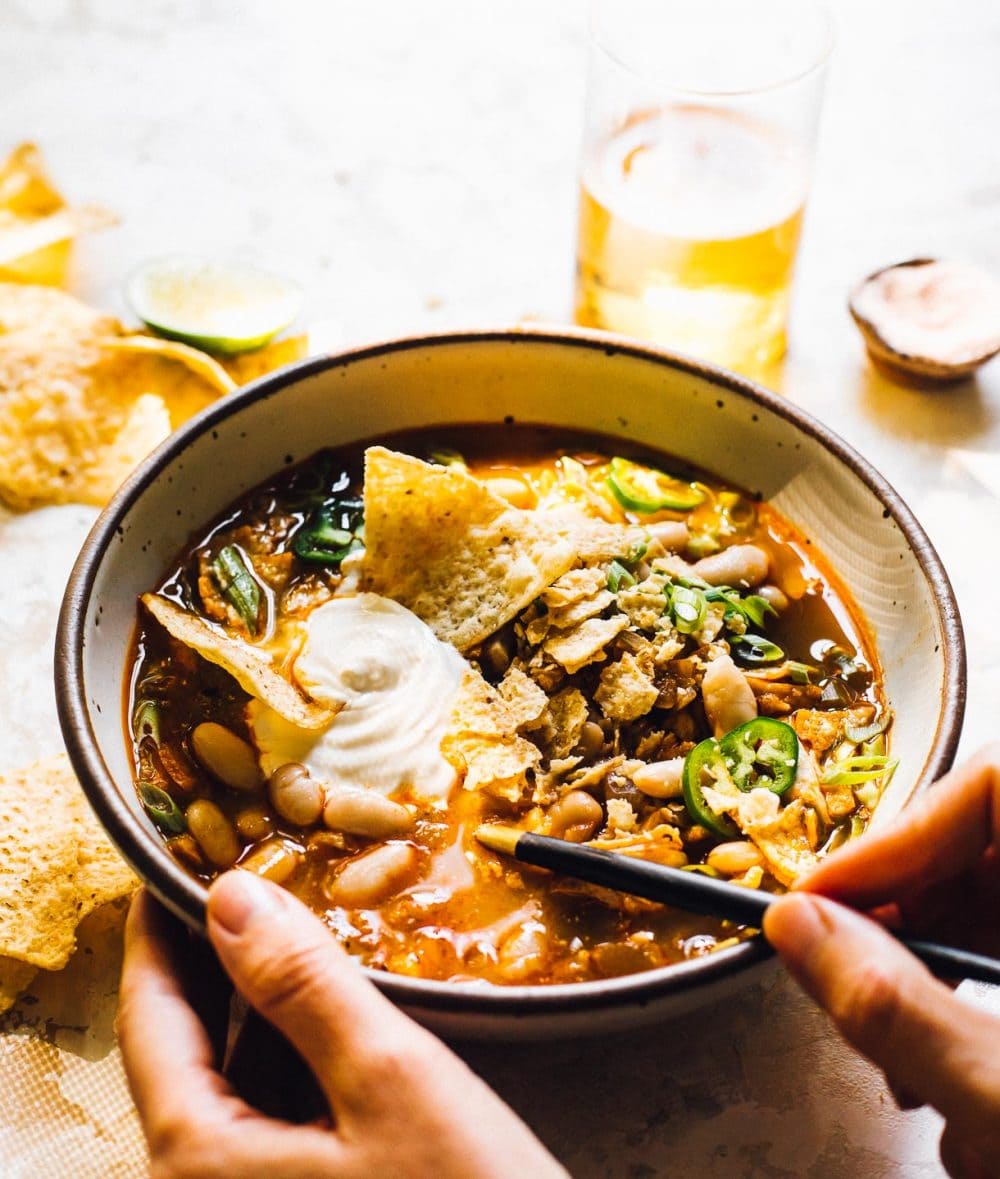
(219, 306)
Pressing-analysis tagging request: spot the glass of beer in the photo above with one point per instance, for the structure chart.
(700, 130)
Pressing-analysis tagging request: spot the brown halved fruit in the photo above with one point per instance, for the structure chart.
(931, 319)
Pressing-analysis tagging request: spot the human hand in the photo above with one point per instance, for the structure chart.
(936, 870)
(401, 1103)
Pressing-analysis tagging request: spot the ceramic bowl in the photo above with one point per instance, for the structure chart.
(718, 421)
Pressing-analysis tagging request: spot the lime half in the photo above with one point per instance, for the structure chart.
(219, 306)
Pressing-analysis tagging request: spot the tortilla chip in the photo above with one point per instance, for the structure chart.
(56, 865)
(68, 414)
(482, 741)
(626, 691)
(251, 365)
(525, 700)
(35, 314)
(82, 401)
(248, 665)
(779, 831)
(575, 586)
(200, 363)
(37, 227)
(595, 542)
(585, 643)
(562, 724)
(15, 978)
(441, 543)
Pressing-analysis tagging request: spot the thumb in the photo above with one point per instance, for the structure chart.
(288, 966)
(886, 1004)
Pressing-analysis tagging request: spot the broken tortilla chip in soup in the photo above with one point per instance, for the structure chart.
(56, 866)
(252, 669)
(442, 544)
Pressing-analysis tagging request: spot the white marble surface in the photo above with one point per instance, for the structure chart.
(414, 166)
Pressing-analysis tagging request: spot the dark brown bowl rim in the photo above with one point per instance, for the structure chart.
(186, 897)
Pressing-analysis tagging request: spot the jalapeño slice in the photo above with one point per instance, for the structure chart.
(700, 759)
(644, 489)
(762, 752)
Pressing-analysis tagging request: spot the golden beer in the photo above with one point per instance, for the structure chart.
(689, 222)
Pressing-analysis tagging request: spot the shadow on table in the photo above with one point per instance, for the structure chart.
(944, 415)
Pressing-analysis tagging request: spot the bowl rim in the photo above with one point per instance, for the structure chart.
(186, 897)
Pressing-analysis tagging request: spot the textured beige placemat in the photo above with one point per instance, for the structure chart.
(65, 1111)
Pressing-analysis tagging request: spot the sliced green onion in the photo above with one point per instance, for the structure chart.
(237, 582)
(636, 552)
(758, 649)
(860, 734)
(162, 809)
(619, 577)
(688, 607)
(752, 608)
(853, 771)
(800, 672)
(146, 721)
(704, 869)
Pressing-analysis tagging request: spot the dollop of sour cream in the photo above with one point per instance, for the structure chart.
(396, 683)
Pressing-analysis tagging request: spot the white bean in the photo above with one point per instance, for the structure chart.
(576, 816)
(673, 535)
(728, 698)
(228, 757)
(214, 832)
(295, 795)
(515, 491)
(274, 860)
(733, 859)
(742, 565)
(365, 812)
(660, 779)
(775, 595)
(373, 877)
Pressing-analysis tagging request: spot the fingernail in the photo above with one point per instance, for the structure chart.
(798, 924)
(237, 897)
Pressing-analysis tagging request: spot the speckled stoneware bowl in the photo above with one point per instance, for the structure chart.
(587, 380)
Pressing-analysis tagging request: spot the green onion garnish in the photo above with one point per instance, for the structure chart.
(757, 649)
(801, 673)
(146, 721)
(688, 607)
(860, 734)
(619, 577)
(161, 808)
(853, 771)
(237, 582)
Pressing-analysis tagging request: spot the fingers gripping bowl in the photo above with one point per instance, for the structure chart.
(643, 402)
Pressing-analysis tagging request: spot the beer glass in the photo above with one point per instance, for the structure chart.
(699, 136)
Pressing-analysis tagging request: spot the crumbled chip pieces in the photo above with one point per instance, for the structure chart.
(626, 691)
(252, 669)
(585, 643)
(56, 866)
(482, 741)
(37, 227)
(441, 543)
(563, 723)
(525, 700)
(779, 831)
